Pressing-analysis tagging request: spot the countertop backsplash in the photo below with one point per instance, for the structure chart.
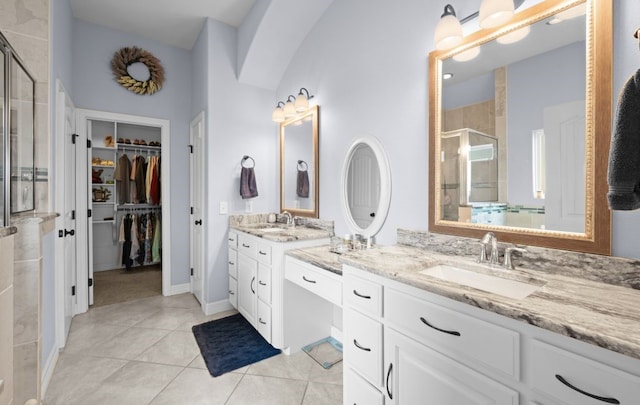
(606, 269)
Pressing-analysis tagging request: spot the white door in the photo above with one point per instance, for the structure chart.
(66, 204)
(364, 195)
(197, 185)
(416, 374)
(564, 128)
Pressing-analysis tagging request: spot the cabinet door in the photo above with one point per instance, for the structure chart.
(416, 374)
(358, 391)
(233, 292)
(247, 300)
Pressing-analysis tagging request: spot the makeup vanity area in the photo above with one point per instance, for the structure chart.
(443, 315)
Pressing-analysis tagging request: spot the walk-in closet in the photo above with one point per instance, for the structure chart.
(125, 215)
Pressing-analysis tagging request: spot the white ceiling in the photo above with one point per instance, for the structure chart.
(173, 22)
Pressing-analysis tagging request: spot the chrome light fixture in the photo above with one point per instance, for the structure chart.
(292, 107)
(448, 30)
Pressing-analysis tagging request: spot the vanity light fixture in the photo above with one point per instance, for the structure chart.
(492, 13)
(278, 113)
(292, 107)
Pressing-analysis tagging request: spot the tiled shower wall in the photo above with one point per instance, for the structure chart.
(25, 23)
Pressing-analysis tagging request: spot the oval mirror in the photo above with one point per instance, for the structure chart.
(366, 186)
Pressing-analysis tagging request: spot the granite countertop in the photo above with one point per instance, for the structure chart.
(8, 231)
(602, 314)
(33, 216)
(320, 256)
(282, 233)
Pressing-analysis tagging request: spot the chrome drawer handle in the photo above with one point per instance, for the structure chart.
(450, 332)
(247, 246)
(232, 263)
(261, 321)
(603, 399)
(308, 281)
(366, 349)
(368, 297)
(262, 253)
(231, 293)
(261, 283)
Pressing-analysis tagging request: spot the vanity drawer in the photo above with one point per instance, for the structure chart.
(364, 295)
(233, 240)
(364, 337)
(247, 246)
(264, 254)
(233, 263)
(264, 283)
(358, 391)
(483, 343)
(320, 282)
(233, 292)
(550, 364)
(264, 320)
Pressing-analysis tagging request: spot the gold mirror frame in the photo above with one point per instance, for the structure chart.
(314, 179)
(599, 40)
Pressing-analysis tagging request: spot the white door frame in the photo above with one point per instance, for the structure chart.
(83, 116)
(197, 129)
(61, 290)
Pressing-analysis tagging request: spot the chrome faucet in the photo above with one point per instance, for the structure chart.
(508, 262)
(290, 220)
(488, 238)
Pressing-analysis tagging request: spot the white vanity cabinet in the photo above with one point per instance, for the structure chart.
(440, 351)
(256, 275)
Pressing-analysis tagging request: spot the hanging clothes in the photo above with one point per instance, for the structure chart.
(154, 189)
(122, 176)
(140, 179)
(156, 248)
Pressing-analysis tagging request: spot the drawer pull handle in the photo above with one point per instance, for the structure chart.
(261, 321)
(368, 297)
(308, 281)
(262, 253)
(247, 246)
(231, 293)
(232, 263)
(389, 375)
(261, 283)
(450, 332)
(366, 349)
(253, 281)
(603, 399)
(231, 240)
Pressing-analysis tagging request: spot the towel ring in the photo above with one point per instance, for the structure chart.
(302, 162)
(244, 159)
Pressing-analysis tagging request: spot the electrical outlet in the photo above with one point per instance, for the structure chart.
(248, 207)
(224, 208)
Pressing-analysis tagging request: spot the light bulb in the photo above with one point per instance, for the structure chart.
(289, 110)
(301, 104)
(448, 32)
(278, 115)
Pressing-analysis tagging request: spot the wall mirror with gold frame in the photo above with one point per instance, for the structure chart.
(299, 164)
(519, 135)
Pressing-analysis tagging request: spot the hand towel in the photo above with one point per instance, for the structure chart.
(302, 185)
(624, 155)
(248, 188)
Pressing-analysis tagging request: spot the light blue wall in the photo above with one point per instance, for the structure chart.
(553, 78)
(239, 123)
(95, 88)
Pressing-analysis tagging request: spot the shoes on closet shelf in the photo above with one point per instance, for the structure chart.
(127, 141)
(120, 140)
(136, 142)
(142, 142)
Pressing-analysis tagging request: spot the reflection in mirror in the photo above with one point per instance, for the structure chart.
(516, 150)
(299, 164)
(366, 186)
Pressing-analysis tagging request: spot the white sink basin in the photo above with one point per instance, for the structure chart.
(485, 282)
(266, 230)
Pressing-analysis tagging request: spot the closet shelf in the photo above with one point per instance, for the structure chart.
(103, 221)
(101, 184)
(132, 147)
(103, 148)
(130, 206)
(104, 166)
(102, 202)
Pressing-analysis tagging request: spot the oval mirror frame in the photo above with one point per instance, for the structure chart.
(599, 40)
(385, 186)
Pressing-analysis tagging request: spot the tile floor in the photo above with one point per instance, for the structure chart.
(143, 352)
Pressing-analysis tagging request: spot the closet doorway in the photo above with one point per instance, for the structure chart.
(127, 178)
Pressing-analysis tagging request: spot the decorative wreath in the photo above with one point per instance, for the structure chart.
(123, 58)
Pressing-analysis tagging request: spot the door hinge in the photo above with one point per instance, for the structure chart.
(88, 143)
(190, 148)
(192, 271)
(89, 213)
(73, 138)
(60, 233)
(90, 282)
(73, 290)
(191, 210)
(73, 214)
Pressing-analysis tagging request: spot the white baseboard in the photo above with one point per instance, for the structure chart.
(336, 333)
(47, 370)
(179, 289)
(218, 306)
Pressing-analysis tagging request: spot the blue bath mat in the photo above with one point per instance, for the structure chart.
(230, 343)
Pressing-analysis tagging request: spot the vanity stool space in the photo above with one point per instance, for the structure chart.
(405, 345)
(256, 275)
